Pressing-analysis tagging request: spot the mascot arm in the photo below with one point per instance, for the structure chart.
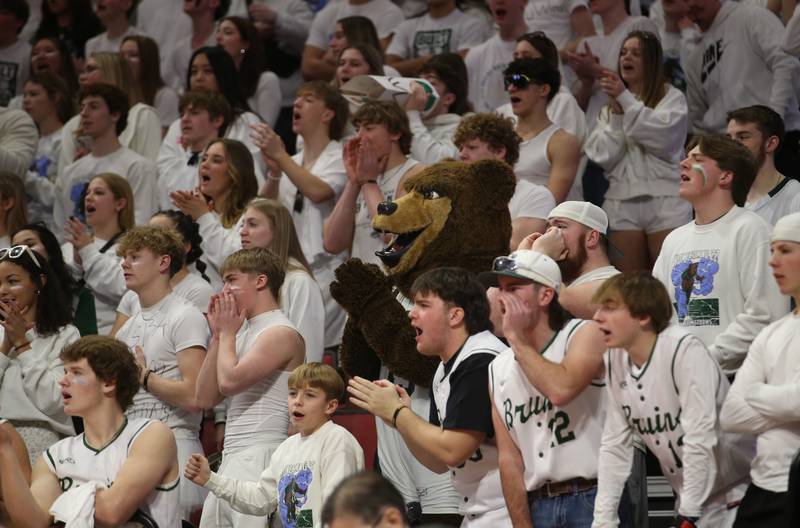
(355, 355)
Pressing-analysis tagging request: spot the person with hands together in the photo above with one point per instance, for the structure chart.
(35, 325)
(252, 351)
(377, 164)
(548, 402)
(227, 182)
(455, 435)
(638, 141)
(108, 208)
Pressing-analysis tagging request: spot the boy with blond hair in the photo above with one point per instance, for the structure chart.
(306, 467)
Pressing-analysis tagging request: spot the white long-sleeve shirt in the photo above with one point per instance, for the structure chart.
(29, 388)
(765, 400)
(737, 63)
(672, 402)
(302, 473)
(432, 139)
(301, 301)
(719, 281)
(218, 243)
(18, 140)
(641, 148)
(103, 275)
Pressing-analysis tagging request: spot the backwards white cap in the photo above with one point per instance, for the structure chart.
(787, 228)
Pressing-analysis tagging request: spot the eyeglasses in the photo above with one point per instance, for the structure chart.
(520, 80)
(504, 264)
(16, 252)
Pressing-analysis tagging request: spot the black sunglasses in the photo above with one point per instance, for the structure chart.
(520, 80)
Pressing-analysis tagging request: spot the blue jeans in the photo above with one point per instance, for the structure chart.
(571, 510)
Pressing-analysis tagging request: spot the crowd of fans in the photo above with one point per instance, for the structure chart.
(180, 180)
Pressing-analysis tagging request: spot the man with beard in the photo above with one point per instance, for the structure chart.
(761, 130)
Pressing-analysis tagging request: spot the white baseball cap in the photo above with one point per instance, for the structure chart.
(787, 228)
(525, 264)
(585, 213)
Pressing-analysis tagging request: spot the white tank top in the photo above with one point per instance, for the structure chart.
(259, 414)
(557, 443)
(477, 479)
(74, 463)
(533, 164)
(366, 241)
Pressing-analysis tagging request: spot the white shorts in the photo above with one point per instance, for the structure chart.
(247, 464)
(414, 481)
(650, 214)
(191, 495)
(489, 519)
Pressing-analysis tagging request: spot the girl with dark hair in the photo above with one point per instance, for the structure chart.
(35, 327)
(46, 98)
(143, 58)
(639, 142)
(72, 21)
(49, 54)
(192, 285)
(227, 184)
(213, 69)
(563, 109)
(239, 38)
(91, 255)
(358, 59)
(40, 239)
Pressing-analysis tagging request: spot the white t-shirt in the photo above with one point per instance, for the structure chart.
(192, 289)
(553, 18)
(530, 200)
(14, 69)
(384, 14)
(598, 274)
(485, 65)
(102, 42)
(163, 331)
(302, 473)
(426, 35)
(75, 463)
(720, 284)
(266, 101)
(366, 241)
(301, 301)
(140, 173)
(782, 200)
(763, 400)
(432, 139)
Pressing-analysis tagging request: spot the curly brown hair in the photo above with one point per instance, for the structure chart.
(495, 130)
(159, 240)
(111, 362)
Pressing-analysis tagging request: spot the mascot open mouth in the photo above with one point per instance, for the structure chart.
(400, 243)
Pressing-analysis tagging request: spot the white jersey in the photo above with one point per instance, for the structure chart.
(163, 330)
(366, 241)
(258, 414)
(74, 463)
(782, 200)
(477, 479)
(557, 443)
(672, 402)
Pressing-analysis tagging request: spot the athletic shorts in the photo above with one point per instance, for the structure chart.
(192, 496)
(650, 214)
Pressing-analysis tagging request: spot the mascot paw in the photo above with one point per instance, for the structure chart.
(356, 283)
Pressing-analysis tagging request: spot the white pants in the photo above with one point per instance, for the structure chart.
(247, 464)
(192, 496)
(489, 519)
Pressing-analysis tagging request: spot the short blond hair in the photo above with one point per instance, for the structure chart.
(159, 240)
(319, 376)
(259, 261)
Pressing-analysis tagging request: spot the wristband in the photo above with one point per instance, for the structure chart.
(273, 178)
(396, 414)
(144, 381)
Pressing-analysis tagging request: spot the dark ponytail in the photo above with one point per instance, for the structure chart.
(190, 232)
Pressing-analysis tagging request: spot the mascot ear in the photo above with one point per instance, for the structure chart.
(497, 179)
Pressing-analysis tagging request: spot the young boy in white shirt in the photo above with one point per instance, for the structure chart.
(306, 467)
(664, 386)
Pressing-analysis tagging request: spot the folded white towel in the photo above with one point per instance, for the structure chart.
(75, 507)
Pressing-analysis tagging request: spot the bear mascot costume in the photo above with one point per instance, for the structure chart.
(454, 214)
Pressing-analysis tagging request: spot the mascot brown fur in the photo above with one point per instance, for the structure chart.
(455, 214)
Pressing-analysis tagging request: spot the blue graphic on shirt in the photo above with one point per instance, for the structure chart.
(41, 165)
(692, 278)
(76, 195)
(292, 496)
